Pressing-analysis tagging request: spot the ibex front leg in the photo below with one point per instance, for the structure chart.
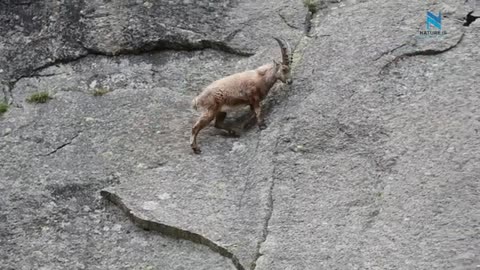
(258, 114)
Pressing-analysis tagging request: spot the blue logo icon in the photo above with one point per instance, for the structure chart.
(433, 26)
(433, 20)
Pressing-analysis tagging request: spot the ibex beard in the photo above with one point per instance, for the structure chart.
(236, 91)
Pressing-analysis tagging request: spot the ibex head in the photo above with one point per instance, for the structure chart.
(283, 69)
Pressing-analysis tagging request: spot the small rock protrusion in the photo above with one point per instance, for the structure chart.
(150, 205)
(117, 228)
(238, 147)
(164, 196)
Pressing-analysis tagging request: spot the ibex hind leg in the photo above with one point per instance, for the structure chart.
(249, 122)
(202, 122)
(220, 124)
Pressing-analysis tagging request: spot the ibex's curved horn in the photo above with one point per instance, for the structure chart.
(286, 51)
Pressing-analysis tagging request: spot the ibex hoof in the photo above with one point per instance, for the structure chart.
(233, 133)
(196, 150)
(262, 126)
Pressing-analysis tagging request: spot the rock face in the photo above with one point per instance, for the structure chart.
(370, 159)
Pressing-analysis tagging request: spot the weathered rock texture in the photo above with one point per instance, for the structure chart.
(370, 159)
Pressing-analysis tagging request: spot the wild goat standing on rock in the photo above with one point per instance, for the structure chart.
(237, 91)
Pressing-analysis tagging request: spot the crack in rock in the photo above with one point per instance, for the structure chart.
(45, 75)
(308, 22)
(268, 216)
(61, 146)
(171, 231)
(232, 35)
(34, 72)
(183, 45)
(389, 51)
(427, 52)
(20, 3)
(158, 46)
(266, 222)
(286, 21)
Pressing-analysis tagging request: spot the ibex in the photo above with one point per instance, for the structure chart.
(242, 89)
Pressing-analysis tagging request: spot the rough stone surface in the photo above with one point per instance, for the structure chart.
(388, 173)
(370, 159)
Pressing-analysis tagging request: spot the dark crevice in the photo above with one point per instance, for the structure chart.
(158, 46)
(171, 231)
(389, 51)
(268, 215)
(163, 45)
(286, 22)
(233, 34)
(45, 75)
(312, 8)
(469, 19)
(34, 72)
(61, 146)
(266, 222)
(428, 52)
(16, 3)
(308, 22)
(64, 60)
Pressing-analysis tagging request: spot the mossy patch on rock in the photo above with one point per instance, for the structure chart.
(3, 108)
(39, 97)
(311, 5)
(100, 91)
